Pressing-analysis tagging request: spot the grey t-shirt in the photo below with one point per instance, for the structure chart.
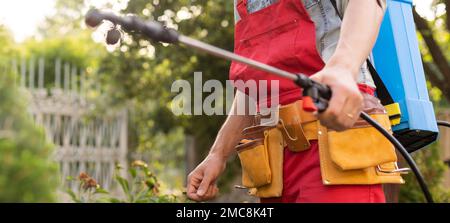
(328, 26)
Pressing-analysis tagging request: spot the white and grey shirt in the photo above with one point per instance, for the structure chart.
(328, 26)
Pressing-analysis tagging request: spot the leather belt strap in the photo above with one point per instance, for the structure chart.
(310, 122)
(305, 116)
(311, 130)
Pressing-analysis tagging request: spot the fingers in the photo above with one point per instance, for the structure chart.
(349, 114)
(204, 185)
(201, 183)
(352, 109)
(330, 117)
(211, 193)
(343, 111)
(201, 188)
(192, 186)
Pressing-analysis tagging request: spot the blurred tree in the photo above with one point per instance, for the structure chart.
(434, 36)
(83, 57)
(433, 169)
(134, 76)
(26, 172)
(143, 71)
(63, 36)
(151, 68)
(435, 45)
(67, 20)
(7, 44)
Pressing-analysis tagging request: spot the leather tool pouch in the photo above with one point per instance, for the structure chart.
(362, 146)
(291, 127)
(360, 155)
(255, 164)
(261, 156)
(295, 124)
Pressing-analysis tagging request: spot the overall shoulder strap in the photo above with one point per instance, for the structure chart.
(333, 2)
(382, 91)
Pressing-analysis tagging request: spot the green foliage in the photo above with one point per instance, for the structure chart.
(135, 72)
(138, 186)
(7, 48)
(163, 151)
(433, 169)
(429, 159)
(78, 50)
(68, 19)
(129, 78)
(26, 172)
(143, 71)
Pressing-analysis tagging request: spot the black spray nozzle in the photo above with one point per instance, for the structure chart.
(94, 18)
(151, 29)
(316, 96)
(113, 36)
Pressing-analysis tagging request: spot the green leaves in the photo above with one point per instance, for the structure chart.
(123, 184)
(73, 196)
(27, 172)
(101, 191)
(138, 186)
(433, 169)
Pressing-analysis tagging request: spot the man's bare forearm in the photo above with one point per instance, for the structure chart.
(359, 32)
(230, 133)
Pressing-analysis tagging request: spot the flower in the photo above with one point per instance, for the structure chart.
(90, 183)
(83, 176)
(119, 167)
(156, 188)
(139, 163)
(87, 182)
(151, 183)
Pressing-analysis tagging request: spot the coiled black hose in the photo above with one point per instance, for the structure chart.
(443, 123)
(405, 155)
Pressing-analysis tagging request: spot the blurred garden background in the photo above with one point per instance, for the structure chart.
(81, 121)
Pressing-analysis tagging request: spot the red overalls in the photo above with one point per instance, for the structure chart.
(283, 35)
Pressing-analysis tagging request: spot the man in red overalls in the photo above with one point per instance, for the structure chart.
(284, 35)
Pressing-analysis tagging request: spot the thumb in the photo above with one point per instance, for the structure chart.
(204, 185)
(317, 77)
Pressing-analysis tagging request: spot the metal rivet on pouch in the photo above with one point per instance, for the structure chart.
(320, 132)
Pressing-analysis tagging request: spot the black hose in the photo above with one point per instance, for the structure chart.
(443, 123)
(404, 153)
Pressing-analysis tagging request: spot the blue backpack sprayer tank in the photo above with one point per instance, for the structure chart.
(403, 89)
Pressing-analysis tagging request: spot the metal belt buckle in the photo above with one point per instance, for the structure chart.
(270, 116)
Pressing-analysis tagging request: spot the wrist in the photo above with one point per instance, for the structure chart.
(343, 64)
(343, 60)
(218, 153)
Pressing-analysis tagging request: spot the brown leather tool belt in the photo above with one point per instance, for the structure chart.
(358, 156)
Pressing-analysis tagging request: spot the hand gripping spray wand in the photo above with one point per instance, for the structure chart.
(315, 95)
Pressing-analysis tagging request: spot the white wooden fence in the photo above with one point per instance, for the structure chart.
(92, 145)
